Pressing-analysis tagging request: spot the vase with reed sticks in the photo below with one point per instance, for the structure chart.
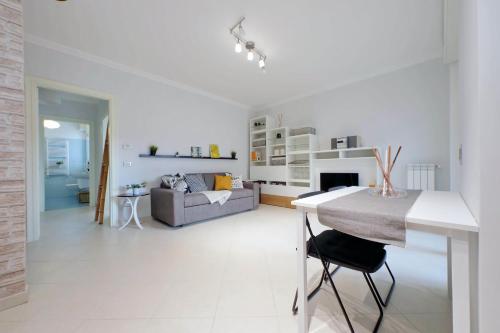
(387, 190)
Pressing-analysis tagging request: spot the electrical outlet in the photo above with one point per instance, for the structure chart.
(127, 164)
(460, 154)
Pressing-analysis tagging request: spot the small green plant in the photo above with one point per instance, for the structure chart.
(152, 150)
(132, 186)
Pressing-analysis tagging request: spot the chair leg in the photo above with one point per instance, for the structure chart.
(335, 291)
(389, 294)
(311, 295)
(332, 273)
(381, 311)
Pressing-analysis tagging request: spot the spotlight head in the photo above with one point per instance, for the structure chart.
(238, 47)
(262, 63)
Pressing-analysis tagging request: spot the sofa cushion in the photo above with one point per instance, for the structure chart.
(197, 199)
(239, 193)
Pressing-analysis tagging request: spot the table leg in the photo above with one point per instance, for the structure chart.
(303, 320)
(136, 217)
(460, 266)
(448, 261)
(131, 214)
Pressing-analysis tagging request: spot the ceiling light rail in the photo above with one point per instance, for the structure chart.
(238, 33)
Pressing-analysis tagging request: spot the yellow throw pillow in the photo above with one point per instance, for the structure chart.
(223, 183)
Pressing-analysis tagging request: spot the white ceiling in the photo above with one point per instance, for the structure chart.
(312, 45)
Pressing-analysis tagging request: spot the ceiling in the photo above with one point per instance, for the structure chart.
(312, 45)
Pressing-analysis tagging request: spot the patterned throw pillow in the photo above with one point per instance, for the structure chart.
(237, 181)
(175, 182)
(181, 186)
(168, 181)
(196, 183)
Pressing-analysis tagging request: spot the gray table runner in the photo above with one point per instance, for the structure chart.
(370, 217)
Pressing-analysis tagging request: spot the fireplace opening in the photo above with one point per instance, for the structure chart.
(330, 180)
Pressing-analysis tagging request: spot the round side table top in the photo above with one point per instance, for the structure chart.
(126, 195)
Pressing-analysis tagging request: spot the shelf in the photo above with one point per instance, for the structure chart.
(187, 156)
(299, 152)
(345, 158)
(298, 180)
(299, 136)
(259, 131)
(298, 166)
(343, 149)
(278, 156)
(278, 129)
(259, 147)
(277, 144)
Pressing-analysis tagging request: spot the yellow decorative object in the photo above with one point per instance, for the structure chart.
(214, 151)
(223, 183)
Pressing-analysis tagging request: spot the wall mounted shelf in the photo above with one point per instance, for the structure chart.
(187, 156)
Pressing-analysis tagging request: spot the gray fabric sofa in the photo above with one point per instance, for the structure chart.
(177, 208)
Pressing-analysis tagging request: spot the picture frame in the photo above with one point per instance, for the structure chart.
(214, 151)
(195, 151)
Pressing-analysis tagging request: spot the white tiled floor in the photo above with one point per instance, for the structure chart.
(234, 274)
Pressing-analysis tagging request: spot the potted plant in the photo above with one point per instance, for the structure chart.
(152, 150)
(135, 189)
(233, 155)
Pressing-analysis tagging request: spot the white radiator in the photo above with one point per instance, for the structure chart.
(421, 176)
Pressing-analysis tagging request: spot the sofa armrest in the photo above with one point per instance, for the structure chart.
(167, 206)
(256, 192)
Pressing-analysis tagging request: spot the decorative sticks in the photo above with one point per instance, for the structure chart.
(386, 168)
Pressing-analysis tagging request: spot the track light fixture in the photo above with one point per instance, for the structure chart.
(237, 32)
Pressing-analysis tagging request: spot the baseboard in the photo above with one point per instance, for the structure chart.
(277, 200)
(14, 300)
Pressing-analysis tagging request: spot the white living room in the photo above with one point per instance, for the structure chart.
(249, 167)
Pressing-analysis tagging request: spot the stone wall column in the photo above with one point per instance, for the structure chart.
(13, 290)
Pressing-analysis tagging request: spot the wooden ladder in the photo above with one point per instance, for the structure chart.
(103, 182)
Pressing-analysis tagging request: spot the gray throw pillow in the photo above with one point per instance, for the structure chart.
(196, 183)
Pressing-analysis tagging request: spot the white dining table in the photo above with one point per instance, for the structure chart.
(436, 212)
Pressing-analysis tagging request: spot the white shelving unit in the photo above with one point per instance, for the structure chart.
(299, 160)
(258, 141)
(277, 155)
(345, 153)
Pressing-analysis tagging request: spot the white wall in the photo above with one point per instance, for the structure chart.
(468, 106)
(149, 112)
(489, 104)
(408, 107)
(478, 123)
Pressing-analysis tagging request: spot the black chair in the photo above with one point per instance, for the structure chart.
(343, 250)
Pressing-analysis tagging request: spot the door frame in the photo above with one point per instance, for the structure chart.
(92, 153)
(33, 193)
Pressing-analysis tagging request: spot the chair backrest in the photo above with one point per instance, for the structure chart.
(309, 194)
(335, 188)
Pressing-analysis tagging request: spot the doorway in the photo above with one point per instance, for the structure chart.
(68, 164)
(66, 128)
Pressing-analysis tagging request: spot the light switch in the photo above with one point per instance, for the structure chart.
(126, 146)
(127, 164)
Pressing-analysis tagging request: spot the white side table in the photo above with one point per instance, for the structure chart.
(132, 200)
